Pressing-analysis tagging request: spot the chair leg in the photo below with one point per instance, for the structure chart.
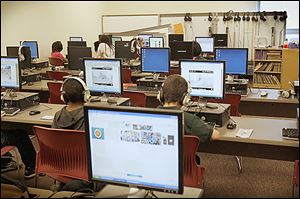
(293, 189)
(239, 163)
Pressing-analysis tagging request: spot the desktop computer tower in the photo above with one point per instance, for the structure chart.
(21, 100)
(240, 88)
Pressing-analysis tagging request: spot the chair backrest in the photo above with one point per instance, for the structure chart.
(126, 75)
(61, 153)
(54, 92)
(136, 98)
(56, 75)
(232, 99)
(174, 71)
(193, 173)
(56, 61)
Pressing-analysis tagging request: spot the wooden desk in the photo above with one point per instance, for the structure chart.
(265, 142)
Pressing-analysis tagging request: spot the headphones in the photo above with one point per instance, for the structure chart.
(21, 56)
(237, 17)
(209, 17)
(275, 16)
(262, 16)
(185, 99)
(86, 93)
(133, 48)
(287, 94)
(187, 17)
(283, 18)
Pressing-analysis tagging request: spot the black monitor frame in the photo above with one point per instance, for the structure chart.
(115, 41)
(224, 65)
(120, 54)
(13, 51)
(177, 113)
(70, 38)
(169, 54)
(121, 76)
(201, 46)
(37, 48)
(77, 43)
(220, 40)
(19, 75)
(175, 37)
(73, 60)
(163, 42)
(178, 44)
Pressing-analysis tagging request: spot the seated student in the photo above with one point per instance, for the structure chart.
(173, 94)
(105, 48)
(197, 51)
(57, 47)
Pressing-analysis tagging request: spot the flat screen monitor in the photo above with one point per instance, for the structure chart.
(135, 147)
(175, 37)
(114, 39)
(206, 78)
(220, 40)
(33, 45)
(77, 43)
(181, 50)
(103, 75)
(206, 43)
(75, 39)
(122, 50)
(145, 38)
(236, 59)
(10, 72)
(76, 55)
(156, 42)
(156, 60)
(109, 36)
(13, 51)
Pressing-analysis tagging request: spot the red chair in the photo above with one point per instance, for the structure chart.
(232, 99)
(174, 71)
(193, 173)
(126, 75)
(62, 154)
(56, 75)
(56, 61)
(295, 176)
(136, 98)
(54, 92)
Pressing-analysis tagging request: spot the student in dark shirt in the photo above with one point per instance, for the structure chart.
(173, 94)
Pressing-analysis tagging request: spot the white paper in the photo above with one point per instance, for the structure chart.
(47, 117)
(244, 133)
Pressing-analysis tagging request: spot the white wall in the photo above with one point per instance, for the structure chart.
(50, 21)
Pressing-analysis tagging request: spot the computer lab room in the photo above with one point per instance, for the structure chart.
(150, 99)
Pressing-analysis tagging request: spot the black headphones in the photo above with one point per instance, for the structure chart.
(262, 16)
(187, 17)
(283, 18)
(209, 17)
(275, 16)
(237, 17)
(254, 18)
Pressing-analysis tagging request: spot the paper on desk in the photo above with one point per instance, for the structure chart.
(47, 117)
(244, 133)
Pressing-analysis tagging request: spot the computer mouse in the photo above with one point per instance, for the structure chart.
(231, 125)
(30, 83)
(263, 93)
(34, 112)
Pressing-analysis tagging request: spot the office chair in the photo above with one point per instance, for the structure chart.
(56, 75)
(295, 177)
(55, 61)
(126, 75)
(62, 154)
(54, 92)
(174, 71)
(136, 98)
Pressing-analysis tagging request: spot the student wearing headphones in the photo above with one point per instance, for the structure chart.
(105, 48)
(57, 47)
(174, 93)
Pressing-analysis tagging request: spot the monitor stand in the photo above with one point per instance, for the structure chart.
(156, 77)
(141, 193)
(230, 78)
(202, 103)
(105, 98)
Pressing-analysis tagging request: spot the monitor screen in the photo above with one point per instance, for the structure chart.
(236, 59)
(77, 43)
(181, 50)
(122, 50)
(114, 39)
(220, 40)
(75, 39)
(175, 37)
(33, 45)
(156, 42)
(10, 72)
(103, 75)
(145, 38)
(206, 78)
(156, 60)
(206, 43)
(143, 147)
(76, 55)
(13, 51)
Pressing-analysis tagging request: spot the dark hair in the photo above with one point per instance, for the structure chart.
(73, 91)
(105, 39)
(197, 49)
(174, 88)
(96, 45)
(57, 46)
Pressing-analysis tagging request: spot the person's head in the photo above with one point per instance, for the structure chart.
(197, 49)
(74, 90)
(96, 45)
(57, 46)
(174, 90)
(105, 39)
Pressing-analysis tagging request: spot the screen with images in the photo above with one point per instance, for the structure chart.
(145, 38)
(10, 74)
(156, 42)
(103, 75)
(206, 43)
(33, 45)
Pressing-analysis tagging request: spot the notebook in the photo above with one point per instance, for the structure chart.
(244, 133)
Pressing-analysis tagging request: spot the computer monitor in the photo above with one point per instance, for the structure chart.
(181, 50)
(145, 38)
(77, 43)
(135, 147)
(206, 78)
(13, 51)
(10, 72)
(156, 42)
(236, 59)
(206, 43)
(76, 55)
(33, 45)
(122, 50)
(109, 36)
(156, 60)
(114, 39)
(220, 40)
(103, 76)
(75, 39)
(175, 37)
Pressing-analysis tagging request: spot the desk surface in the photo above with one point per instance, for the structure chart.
(38, 86)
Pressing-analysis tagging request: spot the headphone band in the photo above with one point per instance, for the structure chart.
(86, 91)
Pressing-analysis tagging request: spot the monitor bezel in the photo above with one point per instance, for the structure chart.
(163, 42)
(175, 41)
(19, 75)
(247, 62)
(132, 55)
(213, 44)
(75, 37)
(145, 71)
(219, 35)
(115, 41)
(102, 59)
(177, 113)
(26, 64)
(70, 64)
(214, 61)
(37, 48)
(82, 42)
(178, 43)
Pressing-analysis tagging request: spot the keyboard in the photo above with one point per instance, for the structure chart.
(212, 124)
(143, 88)
(11, 111)
(290, 133)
